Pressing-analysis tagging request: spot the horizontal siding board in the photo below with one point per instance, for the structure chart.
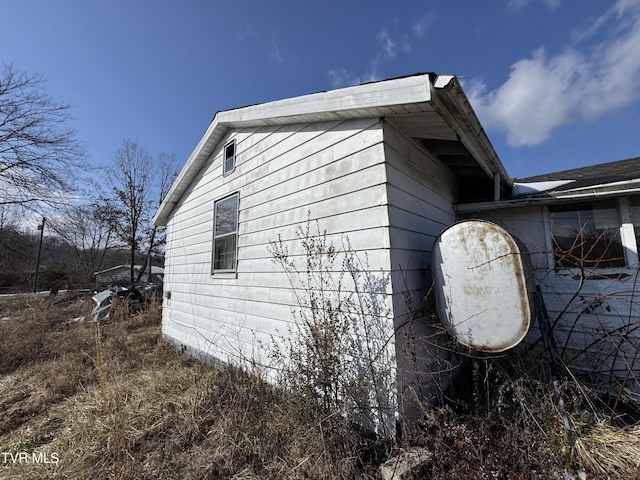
(330, 214)
(403, 200)
(304, 191)
(422, 221)
(252, 142)
(596, 321)
(420, 193)
(411, 158)
(417, 189)
(409, 240)
(411, 260)
(319, 168)
(310, 141)
(308, 138)
(361, 239)
(335, 170)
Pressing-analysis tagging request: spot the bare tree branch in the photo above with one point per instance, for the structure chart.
(39, 155)
(127, 204)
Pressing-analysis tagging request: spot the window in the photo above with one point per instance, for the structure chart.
(229, 158)
(225, 233)
(634, 207)
(587, 235)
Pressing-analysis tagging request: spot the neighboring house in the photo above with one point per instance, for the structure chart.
(384, 166)
(582, 228)
(121, 275)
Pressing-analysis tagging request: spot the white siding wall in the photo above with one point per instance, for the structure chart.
(334, 170)
(420, 191)
(601, 314)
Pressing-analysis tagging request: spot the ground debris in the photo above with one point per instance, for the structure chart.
(406, 461)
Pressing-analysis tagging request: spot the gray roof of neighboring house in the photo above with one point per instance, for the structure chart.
(603, 173)
(585, 183)
(126, 268)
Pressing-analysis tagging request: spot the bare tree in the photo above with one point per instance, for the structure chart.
(87, 235)
(15, 248)
(129, 203)
(39, 155)
(157, 235)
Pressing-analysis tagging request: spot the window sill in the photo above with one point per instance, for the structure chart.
(225, 274)
(617, 273)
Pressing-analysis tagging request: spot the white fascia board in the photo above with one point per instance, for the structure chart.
(341, 103)
(194, 163)
(605, 189)
(338, 103)
(452, 104)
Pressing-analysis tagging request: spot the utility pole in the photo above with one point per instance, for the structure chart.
(35, 280)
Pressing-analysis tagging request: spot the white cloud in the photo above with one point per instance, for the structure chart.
(421, 27)
(406, 44)
(386, 51)
(517, 5)
(341, 77)
(545, 92)
(387, 47)
(275, 50)
(552, 4)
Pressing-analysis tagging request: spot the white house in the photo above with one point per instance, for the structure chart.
(582, 228)
(384, 166)
(121, 275)
(381, 164)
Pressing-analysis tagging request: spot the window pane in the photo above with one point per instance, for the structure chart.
(587, 235)
(229, 157)
(226, 216)
(229, 164)
(225, 253)
(635, 218)
(225, 233)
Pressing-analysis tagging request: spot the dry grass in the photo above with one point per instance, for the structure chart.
(608, 451)
(115, 401)
(516, 439)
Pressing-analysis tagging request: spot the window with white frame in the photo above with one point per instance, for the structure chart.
(225, 234)
(587, 235)
(229, 164)
(634, 209)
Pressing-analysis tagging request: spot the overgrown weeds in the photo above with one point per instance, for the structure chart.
(115, 401)
(338, 357)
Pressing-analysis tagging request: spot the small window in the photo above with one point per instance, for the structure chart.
(225, 234)
(229, 158)
(635, 218)
(586, 235)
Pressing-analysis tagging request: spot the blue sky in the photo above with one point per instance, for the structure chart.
(556, 83)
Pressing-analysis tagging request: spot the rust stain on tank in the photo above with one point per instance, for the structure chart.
(477, 256)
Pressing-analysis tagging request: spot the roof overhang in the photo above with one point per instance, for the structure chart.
(430, 108)
(593, 192)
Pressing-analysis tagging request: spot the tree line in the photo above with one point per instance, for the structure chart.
(84, 225)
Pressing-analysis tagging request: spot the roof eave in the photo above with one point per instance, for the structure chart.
(454, 106)
(350, 102)
(627, 187)
(384, 98)
(192, 166)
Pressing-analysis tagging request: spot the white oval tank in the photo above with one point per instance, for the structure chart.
(484, 285)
